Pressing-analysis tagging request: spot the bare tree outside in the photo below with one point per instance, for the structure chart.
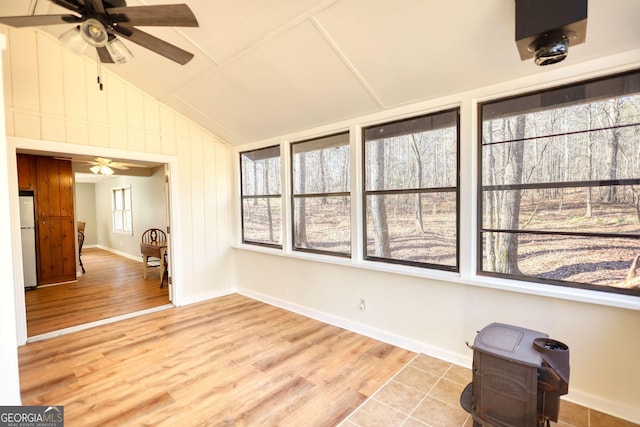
(321, 185)
(411, 187)
(560, 184)
(300, 206)
(378, 207)
(559, 196)
(261, 198)
(418, 209)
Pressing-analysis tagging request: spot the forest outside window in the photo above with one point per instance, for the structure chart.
(121, 209)
(411, 191)
(261, 197)
(321, 199)
(560, 194)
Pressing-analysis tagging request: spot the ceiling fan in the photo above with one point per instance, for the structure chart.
(100, 21)
(104, 166)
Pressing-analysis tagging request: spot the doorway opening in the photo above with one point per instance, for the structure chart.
(113, 286)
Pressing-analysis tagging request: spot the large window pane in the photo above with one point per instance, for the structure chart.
(261, 219)
(560, 175)
(321, 166)
(411, 191)
(560, 157)
(261, 199)
(578, 210)
(593, 263)
(327, 223)
(321, 199)
(430, 241)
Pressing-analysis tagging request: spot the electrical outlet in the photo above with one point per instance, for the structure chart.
(363, 304)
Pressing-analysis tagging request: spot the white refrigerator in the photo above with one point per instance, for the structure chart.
(28, 232)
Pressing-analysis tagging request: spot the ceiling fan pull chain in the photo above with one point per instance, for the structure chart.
(99, 78)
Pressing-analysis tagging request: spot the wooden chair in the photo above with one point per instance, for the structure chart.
(81, 225)
(153, 245)
(80, 243)
(165, 271)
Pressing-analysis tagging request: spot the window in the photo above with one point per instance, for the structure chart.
(121, 205)
(261, 196)
(321, 198)
(411, 191)
(560, 195)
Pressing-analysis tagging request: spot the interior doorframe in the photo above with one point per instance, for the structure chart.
(14, 144)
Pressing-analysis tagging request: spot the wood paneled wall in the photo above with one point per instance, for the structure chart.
(51, 182)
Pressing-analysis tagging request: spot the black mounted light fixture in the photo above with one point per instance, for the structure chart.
(546, 28)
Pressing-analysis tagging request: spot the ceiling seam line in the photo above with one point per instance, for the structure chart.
(282, 29)
(204, 116)
(354, 70)
(221, 65)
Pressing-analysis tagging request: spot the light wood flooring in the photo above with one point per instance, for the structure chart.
(112, 286)
(227, 361)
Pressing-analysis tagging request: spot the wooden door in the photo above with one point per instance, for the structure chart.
(56, 240)
(57, 260)
(26, 172)
(54, 184)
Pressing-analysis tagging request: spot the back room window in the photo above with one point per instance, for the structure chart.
(121, 210)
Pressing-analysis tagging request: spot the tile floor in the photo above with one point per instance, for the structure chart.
(426, 392)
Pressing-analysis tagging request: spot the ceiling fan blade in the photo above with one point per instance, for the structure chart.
(128, 165)
(154, 44)
(69, 4)
(38, 20)
(95, 5)
(104, 55)
(166, 15)
(117, 166)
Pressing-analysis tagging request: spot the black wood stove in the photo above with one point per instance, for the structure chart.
(518, 377)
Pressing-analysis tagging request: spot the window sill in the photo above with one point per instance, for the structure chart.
(628, 302)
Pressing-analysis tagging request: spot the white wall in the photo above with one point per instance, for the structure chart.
(9, 385)
(149, 210)
(48, 91)
(436, 312)
(85, 210)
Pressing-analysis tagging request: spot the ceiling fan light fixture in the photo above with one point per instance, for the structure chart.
(94, 32)
(74, 40)
(118, 51)
(101, 169)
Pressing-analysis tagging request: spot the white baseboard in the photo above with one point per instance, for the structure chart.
(628, 413)
(180, 301)
(117, 252)
(625, 412)
(384, 336)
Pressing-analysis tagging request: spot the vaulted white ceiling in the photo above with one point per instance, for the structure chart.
(268, 68)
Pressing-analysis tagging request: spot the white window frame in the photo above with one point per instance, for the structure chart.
(255, 195)
(468, 102)
(122, 219)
